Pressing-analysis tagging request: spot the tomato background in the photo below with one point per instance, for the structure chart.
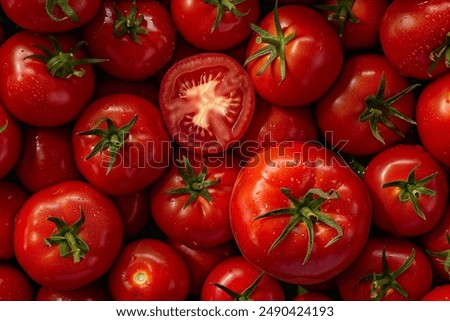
(176, 78)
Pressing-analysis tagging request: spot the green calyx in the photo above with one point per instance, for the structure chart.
(64, 6)
(443, 256)
(63, 64)
(224, 6)
(195, 185)
(380, 110)
(412, 189)
(341, 12)
(130, 24)
(275, 46)
(3, 128)
(306, 210)
(245, 295)
(112, 139)
(387, 279)
(441, 52)
(67, 238)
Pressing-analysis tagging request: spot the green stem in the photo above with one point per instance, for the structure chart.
(223, 6)
(441, 52)
(65, 7)
(3, 128)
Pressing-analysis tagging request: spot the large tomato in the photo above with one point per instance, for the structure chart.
(67, 235)
(299, 213)
(10, 141)
(15, 285)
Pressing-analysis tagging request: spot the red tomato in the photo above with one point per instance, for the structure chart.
(12, 197)
(137, 38)
(214, 25)
(207, 101)
(294, 56)
(50, 16)
(120, 143)
(438, 293)
(388, 269)
(10, 142)
(62, 82)
(408, 188)
(14, 284)
(293, 207)
(414, 35)
(235, 279)
(368, 108)
(91, 292)
(433, 118)
(149, 270)
(306, 295)
(67, 235)
(46, 158)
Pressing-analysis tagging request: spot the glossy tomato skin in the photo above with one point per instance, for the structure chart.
(237, 274)
(55, 101)
(389, 212)
(14, 284)
(433, 118)
(46, 157)
(438, 293)
(299, 167)
(150, 270)
(410, 31)
(207, 101)
(102, 231)
(416, 280)
(145, 151)
(10, 141)
(195, 19)
(129, 59)
(92, 292)
(339, 110)
(32, 15)
(313, 58)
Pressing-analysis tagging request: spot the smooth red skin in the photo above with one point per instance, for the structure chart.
(416, 281)
(46, 158)
(14, 284)
(313, 58)
(55, 101)
(436, 240)
(10, 142)
(200, 262)
(202, 224)
(365, 33)
(237, 274)
(298, 166)
(338, 111)
(12, 197)
(433, 117)
(102, 230)
(128, 59)
(194, 20)
(273, 124)
(410, 30)
(235, 82)
(312, 296)
(91, 292)
(145, 154)
(389, 213)
(31, 14)
(438, 293)
(166, 272)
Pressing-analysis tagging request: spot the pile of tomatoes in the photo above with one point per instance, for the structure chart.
(225, 150)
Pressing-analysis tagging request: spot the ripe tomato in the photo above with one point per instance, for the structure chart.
(91, 292)
(306, 295)
(14, 284)
(408, 188)
(207, 101)
(438, 293)
(46, 158)
(137, 38)
(433, 118)
(294, 56)
(120, 143)
(149, 270)
(10, 142)
(235, 279)
(414, 35)
(50, 16)
(61, 81)
(388, 269)
(67, 235)
(299, 213)
(214, 25)
(368, 108)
